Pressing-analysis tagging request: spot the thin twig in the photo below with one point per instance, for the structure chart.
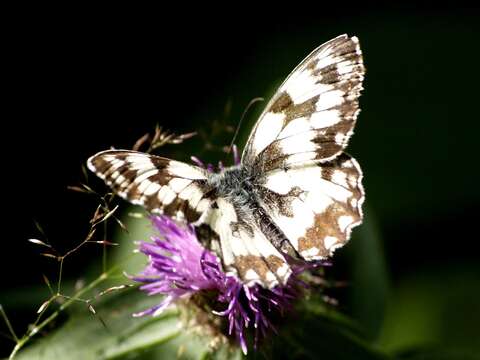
(9, 325)
(104, 254)
(60, 273)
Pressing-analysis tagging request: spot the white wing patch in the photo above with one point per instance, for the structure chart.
(268, 130)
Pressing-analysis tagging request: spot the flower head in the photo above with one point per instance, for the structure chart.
(176, 264)
(179, 266)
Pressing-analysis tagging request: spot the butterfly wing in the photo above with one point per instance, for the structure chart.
(180, 190)
(312, 115)
(311, 190)
(159, 184)
(245, 249)
(315, 205)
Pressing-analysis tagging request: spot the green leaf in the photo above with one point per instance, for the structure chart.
(85, 337)
(309, 333)
(186, 347)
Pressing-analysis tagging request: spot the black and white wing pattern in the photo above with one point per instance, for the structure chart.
(312, 115)
(194, 195)
(246, 249)
(296, 194)
(160, 185)
(311, 189)
(315, 205)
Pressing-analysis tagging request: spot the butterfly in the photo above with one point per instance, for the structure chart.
(296, 195)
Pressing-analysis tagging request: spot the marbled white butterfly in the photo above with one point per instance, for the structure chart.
(295, 195)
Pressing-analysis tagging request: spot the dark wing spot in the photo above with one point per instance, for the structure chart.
(100, 165)
(305, 109)
(284, 101)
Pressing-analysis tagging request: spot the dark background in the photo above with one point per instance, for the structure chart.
(81, 82)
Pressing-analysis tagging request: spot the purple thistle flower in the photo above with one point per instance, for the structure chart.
(179, 266)
(175, 268)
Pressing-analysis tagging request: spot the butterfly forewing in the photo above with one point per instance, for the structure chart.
(160, 185)
(314, 111)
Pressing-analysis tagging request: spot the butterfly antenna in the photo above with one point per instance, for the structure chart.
(247, 108)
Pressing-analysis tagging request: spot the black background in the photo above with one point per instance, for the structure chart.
(82, 80)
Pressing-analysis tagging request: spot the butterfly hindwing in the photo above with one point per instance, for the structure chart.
(159, 184)
(245, 249)
(316, 205)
